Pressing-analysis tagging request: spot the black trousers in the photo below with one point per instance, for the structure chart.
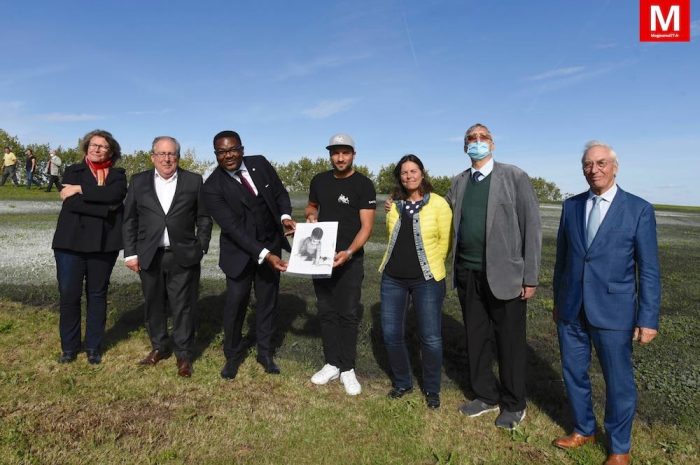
(166, 285)
(339, 311)
(266, 282)
(494, 328)
(53, 179)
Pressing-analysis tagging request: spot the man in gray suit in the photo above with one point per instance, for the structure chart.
(166, 232)
(496, 253)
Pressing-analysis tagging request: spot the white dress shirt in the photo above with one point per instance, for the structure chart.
(606, 199)
(484, 170)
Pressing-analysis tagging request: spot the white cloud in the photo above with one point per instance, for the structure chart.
(326, 108)
(69, 117)
(557, 73)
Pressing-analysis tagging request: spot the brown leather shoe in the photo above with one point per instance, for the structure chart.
(184, 367)
(573, 441)
(154, 357)
(618, 459)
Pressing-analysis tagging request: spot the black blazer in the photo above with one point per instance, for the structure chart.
(231, 208)
(91, 221)
(189, 226)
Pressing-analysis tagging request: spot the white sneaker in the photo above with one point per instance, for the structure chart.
(352, 386)
(325, 374)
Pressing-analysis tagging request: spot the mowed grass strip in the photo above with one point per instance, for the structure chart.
(119, 412)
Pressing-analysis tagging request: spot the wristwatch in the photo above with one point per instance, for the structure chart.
(349, 253)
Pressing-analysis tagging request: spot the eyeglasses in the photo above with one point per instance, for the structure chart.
(478, 136)
(165, 154)
(224, 152)
(601, 164)
(98, 147)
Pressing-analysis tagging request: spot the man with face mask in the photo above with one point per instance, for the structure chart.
(496, 257)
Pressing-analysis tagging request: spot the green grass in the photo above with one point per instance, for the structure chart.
(118, 412)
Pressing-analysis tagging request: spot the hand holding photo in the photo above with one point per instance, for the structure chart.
(313, 249)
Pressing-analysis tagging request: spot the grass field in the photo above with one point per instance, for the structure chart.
(118, 412)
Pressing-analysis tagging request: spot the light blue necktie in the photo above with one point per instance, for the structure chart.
(593, 221)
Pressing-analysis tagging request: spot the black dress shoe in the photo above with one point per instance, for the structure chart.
(432, 399)
(67, 357)
(154, 357)
(230, 370)
(94, 357)
(398, 392)
(269, 364)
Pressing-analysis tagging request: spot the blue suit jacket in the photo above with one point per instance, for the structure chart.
(616, 281)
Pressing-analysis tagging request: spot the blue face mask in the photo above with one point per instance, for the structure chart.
(478, 150)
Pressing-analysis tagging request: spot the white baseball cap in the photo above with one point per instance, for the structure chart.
(341, 139)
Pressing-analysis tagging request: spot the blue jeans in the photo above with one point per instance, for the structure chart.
(72, 270)
(30, 179)
(427, 299)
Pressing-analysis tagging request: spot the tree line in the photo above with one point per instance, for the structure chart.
(295, 175)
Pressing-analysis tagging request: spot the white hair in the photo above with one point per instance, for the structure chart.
(596, 143)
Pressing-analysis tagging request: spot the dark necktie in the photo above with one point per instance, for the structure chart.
(476, 175)
(245, 182)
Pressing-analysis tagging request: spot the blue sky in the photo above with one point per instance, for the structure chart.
(400, 76)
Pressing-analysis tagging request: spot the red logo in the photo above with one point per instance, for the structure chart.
(664, 20)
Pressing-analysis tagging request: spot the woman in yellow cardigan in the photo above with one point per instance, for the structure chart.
(419, 225)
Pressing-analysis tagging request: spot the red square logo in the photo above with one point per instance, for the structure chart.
(664, 20)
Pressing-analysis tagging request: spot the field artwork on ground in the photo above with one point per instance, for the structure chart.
(313, 249)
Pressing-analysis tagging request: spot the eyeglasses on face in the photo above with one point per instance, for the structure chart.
(165, 154)
(223, 152)
(601, 164)
(477, 136)
(98, 147)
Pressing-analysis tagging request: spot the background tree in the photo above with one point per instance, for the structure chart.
(296, 175)
(385, 179)
(441, 184)
(546, 191)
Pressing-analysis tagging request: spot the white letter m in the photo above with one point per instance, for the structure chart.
(673, 13)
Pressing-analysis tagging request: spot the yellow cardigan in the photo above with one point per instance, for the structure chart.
(435, 228)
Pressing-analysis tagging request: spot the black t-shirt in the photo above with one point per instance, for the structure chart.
(28, 164)
(403, 263)
(341, 200)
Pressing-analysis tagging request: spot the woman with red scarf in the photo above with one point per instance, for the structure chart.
(87, 241)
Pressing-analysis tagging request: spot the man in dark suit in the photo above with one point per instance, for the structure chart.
(607, 292)
(166, 233)
(246, 198)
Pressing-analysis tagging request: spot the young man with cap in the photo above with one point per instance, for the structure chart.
(348, 197)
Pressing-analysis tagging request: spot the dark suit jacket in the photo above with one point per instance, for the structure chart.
(513, 231)
(231, 208)
(616, 281)
(189, 225)
(91, 221)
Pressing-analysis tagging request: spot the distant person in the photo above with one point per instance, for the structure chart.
(9, 167)
(166, 233)
(30, 168)
(53, 171)
(87, 241)
(607, 292)
(348, 197)
(496, 259)
(419, 227)
(246, 198)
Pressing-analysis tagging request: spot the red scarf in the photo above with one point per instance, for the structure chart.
(99, 170)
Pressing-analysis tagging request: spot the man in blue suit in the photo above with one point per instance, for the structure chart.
(607, 292)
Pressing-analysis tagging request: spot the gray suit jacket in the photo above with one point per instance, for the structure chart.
(513, 231)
